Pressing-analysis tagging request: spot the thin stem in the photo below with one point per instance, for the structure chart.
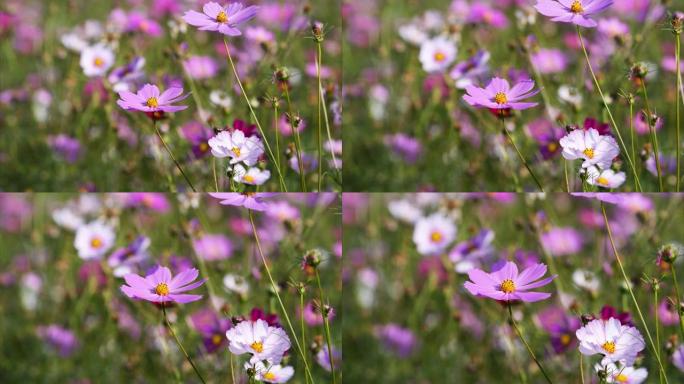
(213, 166)
(251, 110)
(154, 124)
(677, 301)
(679, 79)
(631, 128)
(232, 369)
(581, 364)
(301, 321)
(654, 136)
(657, 325)
(280, 301)
(610, 114)
(567, 179)
(298, 143)
(522, 158)
(277, 135)
(631, 292)
(320, 123)
(326, 325)
(520, 336)
(187, 357)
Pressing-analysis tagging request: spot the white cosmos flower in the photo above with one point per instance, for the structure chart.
(271, 373)
(433, 234)
(93, 240)
(616, 342)
(68, 218)
(236, 283)
(437, 54)
(623, 375)
(586, 280)
(405, 210)
(236, 146)
(96, 60)
(251, 176)
(589, 145)
(606, 178)
(259, 339)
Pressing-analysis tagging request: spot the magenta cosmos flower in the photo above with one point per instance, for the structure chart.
(572, 11)
(221, 19)
(161, 287)
(250, 200)
(506, 284)
(148, 99)
(499, 95)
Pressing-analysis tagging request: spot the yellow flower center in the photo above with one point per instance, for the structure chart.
(222, 17)
(589, 152)
(622, 378)
(96, 243)
(552, 147)
(152, 102)
(236, 151)
(269, 376)
(257, 346)
(565, 339)
(576, 7)
(508, 286)
(162, 289)
(216, 339)
(602, 180)
(98, 62)
(248, 178)
(436, 236)
(439, 56)
(204, 147)
(500, 98)
(609, 346)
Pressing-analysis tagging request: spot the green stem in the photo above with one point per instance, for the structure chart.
(520, 336)
(298, 143)
(320, 123)
(156, 130)
(520, 155)
(187, 357)
(326, 325)
(631, 292)
(213, 167)
(654, 136)
(679, 79)
(301, 321)
(677, 301)
(277, 135)
(251, 110)
(657, 325)
(280, 301)
(610, 114)
(232, 369)
(581, 366)
(631, 128)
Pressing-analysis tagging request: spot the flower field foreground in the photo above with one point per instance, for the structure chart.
(156, 288)
(493, 95)
(536, 288)
(167, 95)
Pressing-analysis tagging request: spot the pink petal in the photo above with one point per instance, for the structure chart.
(183, 278)
(531, 297)
(212, 9)
(189, 287)
(138, 282)
(184, 298)
(197, 19)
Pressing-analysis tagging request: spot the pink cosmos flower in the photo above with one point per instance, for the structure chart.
(161, 287)
(221, 19)
(572, 11)
(253, 201)
(499, 95)
(148, 99)
(506, 284)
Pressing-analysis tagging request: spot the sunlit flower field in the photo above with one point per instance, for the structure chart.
(513, 95)
(491, 288)
(167, 95)
(155, 288)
